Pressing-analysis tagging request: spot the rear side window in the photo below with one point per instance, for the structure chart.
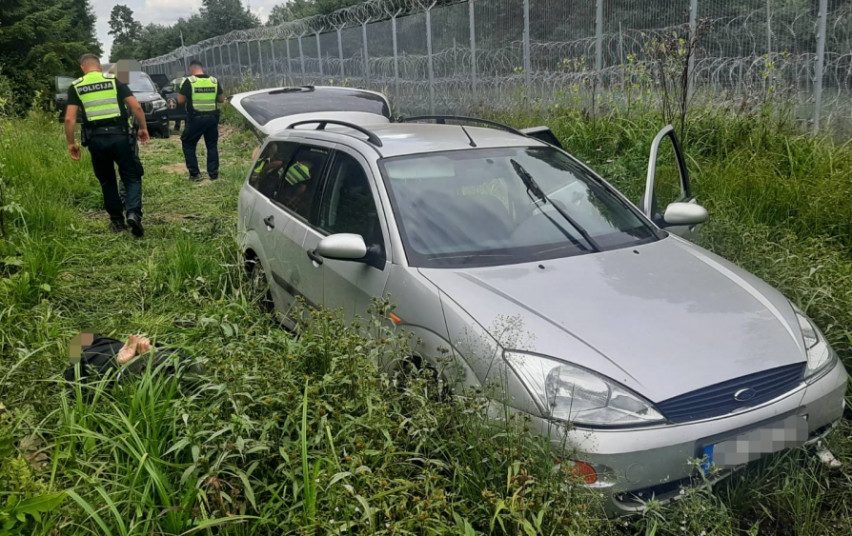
(348, 205)
(300, 178)
(269, 167)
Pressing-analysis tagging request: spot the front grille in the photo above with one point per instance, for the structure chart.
(719, 399)
(147, 107)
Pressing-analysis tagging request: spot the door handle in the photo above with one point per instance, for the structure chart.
(314, 256)
(269, 221)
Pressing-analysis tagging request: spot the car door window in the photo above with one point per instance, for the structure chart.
(300, 178)
(268, 169)
(348, 205)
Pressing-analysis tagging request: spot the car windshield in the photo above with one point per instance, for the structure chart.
(483, 207)
(140, 82)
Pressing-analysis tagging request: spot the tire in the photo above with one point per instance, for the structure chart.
(164, 131)
(259, 283)
(415, 367)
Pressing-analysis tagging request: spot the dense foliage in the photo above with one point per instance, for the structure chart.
(40, 39)
(216, 17)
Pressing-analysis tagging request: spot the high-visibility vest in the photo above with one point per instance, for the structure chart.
(98, 93)
(297, 173)
(204, 92)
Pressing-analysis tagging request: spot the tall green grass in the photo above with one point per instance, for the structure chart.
(302, 435)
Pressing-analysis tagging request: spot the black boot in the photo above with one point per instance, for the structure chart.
(135, 222)
(117, 225)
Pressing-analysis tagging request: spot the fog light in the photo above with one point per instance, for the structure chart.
(585, 471)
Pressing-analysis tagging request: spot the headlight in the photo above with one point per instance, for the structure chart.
(158, 104)
(820, 355)
(573, 394)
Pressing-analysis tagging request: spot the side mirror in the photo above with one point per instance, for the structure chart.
(342, 246)
(684, 214)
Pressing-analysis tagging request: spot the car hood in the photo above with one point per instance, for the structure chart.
(146, 96)
(663, 318)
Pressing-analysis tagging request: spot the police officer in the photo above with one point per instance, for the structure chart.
(202, 94)
(105, 132)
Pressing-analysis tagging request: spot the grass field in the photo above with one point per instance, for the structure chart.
(279, 435)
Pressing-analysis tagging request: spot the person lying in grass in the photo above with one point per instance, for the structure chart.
(99, 356)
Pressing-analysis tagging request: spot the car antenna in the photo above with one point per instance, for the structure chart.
(472, 143)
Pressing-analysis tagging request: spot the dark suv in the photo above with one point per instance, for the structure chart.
(155, 107)
(169, 90)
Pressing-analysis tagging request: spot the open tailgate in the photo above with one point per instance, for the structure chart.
(273, 109)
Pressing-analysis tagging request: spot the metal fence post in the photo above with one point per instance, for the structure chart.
(340, 52)
(272, 55)
(527, 60)
(301, 59)
(621, 57)
(230, 62)
(319, 53)
(260, 69)
(690, 66)
(429, 66)
(395, 57)
(768, 27)
(598, 53)
(366, 52)
(472, 31)
(248, 53)
(239, 61)
(820, 52)
(289, 65)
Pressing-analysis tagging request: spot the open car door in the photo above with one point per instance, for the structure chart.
(667, 185)
(273, 109)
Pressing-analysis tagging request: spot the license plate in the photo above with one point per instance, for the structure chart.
(707, 459)
(754, 444)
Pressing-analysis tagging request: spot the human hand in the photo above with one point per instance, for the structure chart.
(143, 136)
(74, 151)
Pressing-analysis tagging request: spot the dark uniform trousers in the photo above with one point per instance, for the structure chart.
(198, 125)
(108, 150)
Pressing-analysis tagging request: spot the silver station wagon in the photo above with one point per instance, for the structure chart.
(651, 358)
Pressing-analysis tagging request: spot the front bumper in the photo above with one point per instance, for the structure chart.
(158, 118)
(638, 464)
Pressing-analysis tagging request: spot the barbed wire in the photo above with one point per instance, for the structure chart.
(746, 53)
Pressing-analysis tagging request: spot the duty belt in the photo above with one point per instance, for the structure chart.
(108, 130)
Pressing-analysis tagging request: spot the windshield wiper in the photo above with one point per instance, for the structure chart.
(534, 189)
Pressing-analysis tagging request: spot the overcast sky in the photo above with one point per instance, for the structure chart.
(162, 12)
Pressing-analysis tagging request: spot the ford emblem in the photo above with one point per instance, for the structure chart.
(744, 395)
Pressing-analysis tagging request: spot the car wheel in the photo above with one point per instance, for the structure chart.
(164, 131)
(413, 368)
(259, 285)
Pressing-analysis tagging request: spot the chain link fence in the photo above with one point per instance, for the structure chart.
(460, 57)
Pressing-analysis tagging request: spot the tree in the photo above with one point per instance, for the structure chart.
(223, 16)
(40, 39)
(126, 32)
(299, 9)
(122, 26)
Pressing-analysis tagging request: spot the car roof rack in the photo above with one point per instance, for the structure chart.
(321, 124)
(473, 121)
